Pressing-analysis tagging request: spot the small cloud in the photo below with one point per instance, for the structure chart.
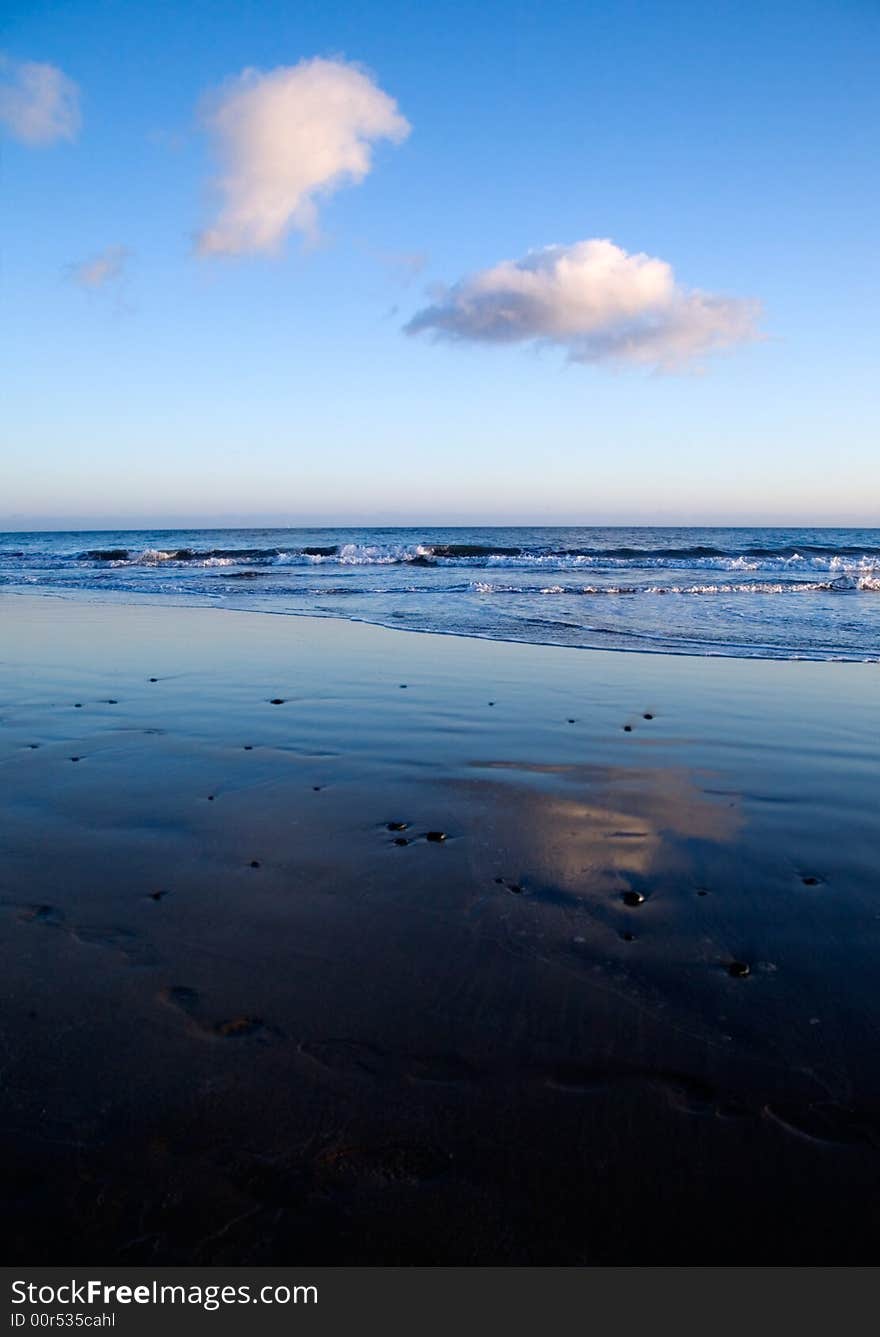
(101, 270)
(39, 104)
(595, 300)
(286, 138)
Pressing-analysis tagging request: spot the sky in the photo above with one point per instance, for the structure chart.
(401, 263)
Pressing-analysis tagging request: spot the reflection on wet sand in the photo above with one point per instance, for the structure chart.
(620, 825)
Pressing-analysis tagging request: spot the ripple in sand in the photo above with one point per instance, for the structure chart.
(826, 1121)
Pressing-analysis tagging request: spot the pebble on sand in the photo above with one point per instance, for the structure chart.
(435, 836)
(157, 895)
(154, 680)
(647, 715)
(810, 881)
(277, 701)
(633, 898)
(255, 863)
(739, 969)
(74, 758)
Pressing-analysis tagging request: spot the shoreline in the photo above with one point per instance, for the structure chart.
(243, 1024)
(135, 599)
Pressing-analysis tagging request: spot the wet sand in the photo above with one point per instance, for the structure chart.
(626, 1011)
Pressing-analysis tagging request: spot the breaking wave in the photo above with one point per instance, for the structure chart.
(761, 593)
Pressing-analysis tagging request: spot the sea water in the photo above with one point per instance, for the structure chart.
(766, 593)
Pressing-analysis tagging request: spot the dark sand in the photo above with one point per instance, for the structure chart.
(240, 1022)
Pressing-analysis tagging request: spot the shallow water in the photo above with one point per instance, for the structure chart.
(751, 593)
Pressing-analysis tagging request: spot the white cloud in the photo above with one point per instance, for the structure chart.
(101, 270)
(39, 104)
(595, 300)
(285, 139)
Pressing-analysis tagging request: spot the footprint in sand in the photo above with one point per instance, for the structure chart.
(188, 1001)
(687, 1094)
(135, 951)
(122, 940)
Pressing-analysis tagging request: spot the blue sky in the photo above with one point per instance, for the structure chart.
(736, 142)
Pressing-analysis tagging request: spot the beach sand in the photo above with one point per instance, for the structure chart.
(241, 1022)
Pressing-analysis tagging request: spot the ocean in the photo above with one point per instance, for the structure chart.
(756, 593)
